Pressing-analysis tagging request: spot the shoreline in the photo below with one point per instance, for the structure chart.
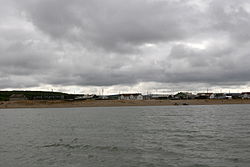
(115, 103)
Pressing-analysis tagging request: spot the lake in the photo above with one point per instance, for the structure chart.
(157, 136)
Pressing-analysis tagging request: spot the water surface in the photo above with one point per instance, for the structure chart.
(185, 136)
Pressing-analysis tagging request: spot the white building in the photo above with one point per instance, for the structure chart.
(245, 95)
(84, 97)
(131, 96)
(218, 96)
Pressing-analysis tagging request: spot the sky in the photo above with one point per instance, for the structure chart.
(118, 46)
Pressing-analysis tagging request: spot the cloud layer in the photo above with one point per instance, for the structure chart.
(113, 42)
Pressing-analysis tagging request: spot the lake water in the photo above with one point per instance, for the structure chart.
(174, 136)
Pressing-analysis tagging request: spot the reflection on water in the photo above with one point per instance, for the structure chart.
(202, 136)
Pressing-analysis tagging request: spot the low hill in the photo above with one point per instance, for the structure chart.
(36, 95)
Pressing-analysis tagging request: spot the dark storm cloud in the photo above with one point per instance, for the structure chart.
(113, 42)
(113, 24)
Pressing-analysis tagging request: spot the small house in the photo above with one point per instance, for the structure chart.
(184, 95)
(218, 96)
(203, 95)
(131, 96)
(113, 97)
(161, 96)
(245, 95)
(85, 97)
(17, 97)
(233, 95)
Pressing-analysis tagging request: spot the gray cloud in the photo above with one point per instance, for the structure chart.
(232, 17)
(113, 24)
(107, 43)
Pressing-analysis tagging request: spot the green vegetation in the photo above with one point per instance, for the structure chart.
(37, 95)
(4, 97)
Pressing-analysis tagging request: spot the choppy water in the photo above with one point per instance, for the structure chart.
(188, 136)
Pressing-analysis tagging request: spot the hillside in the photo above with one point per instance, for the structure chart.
(36, 95)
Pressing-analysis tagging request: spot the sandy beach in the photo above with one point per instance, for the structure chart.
(113, 103)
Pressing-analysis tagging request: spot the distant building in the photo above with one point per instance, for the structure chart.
(113, 97)
(17, 97)
(147, 97)
(203, 95)
(103, 97)
(48, 97)
(160, 96)
(85, 97)
(233, 95)
(184, 95)
(218, 96)
(245, 95)
(131, 96)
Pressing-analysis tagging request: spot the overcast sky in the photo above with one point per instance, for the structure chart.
(125, 45)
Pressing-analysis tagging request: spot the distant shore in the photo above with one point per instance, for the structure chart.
(113, 103)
